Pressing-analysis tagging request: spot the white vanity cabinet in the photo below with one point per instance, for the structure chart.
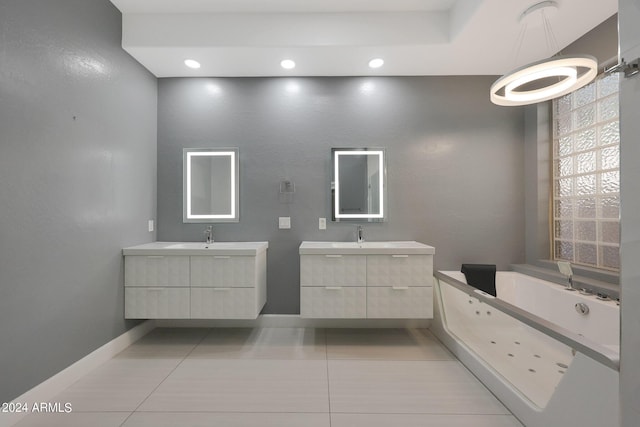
(400, 286)
(170, 280)
(333, 286)
(381, 280)
(156, 287)
(228, 286)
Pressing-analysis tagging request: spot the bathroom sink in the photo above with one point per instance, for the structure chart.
(391, 247)
(202, 245)
(197, 248)
(186, 245)
(357, 245)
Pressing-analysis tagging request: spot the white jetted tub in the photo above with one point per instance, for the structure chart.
(550, 355)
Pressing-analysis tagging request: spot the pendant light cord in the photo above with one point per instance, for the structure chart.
(518, 45)
(552, 42)
(550, 39)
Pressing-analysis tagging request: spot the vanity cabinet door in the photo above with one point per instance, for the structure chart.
(333, 270)
(224, 303)
(333, 302)
(399, 270)
(225, 271)
(156, 303)
(156, 271)
(400, 302)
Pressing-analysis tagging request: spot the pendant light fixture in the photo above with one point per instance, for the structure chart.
(546, 79)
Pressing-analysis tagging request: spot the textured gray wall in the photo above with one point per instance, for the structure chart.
(455, 163)
(77, 182)
(537, 169)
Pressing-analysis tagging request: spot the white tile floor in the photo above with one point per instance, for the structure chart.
(282, 377)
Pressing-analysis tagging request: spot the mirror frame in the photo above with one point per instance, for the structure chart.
(234, 211)
(381, 215)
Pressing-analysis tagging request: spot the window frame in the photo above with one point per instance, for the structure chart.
(585, 153)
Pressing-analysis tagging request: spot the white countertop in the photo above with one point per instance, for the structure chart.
(366, 248)
(197, 248)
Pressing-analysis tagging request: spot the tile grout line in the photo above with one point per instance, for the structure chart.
(167, 376)
(326, 354)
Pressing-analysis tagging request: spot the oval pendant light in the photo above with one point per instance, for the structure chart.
(546, 79)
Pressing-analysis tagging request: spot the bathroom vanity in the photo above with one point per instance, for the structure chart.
(193, 280)
(381, 280)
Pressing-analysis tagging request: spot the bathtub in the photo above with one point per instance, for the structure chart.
(550, 355)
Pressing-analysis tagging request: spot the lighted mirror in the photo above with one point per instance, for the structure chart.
(210, 181)
(358, 186)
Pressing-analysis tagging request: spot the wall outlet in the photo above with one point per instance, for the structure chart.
(151, 227)
(322, 223)
(284, 222)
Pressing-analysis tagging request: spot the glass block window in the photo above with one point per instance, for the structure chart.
(586, 175)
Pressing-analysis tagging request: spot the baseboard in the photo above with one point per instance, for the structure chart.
(48, 389)
(292, 321)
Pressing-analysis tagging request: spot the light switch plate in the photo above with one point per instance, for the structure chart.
(322, 223)
(284, 222)
(151, 227)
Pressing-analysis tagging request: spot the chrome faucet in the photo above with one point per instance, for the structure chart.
(360, 234)
(208, 234)
(565, 269)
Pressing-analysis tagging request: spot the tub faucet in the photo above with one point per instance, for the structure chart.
(208, 233)
(360, 234)
(565, 269)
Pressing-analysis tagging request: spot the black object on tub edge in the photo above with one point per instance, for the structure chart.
(481, 276)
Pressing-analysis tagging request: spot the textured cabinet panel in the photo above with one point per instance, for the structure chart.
(333, 302)
(400, 302)
(156, 303)
(212, 286)
(399, 270)
(156, 271)
(224, 303)
(223, 271)
(333, 270)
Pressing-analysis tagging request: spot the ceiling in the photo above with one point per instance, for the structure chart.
(339, 37)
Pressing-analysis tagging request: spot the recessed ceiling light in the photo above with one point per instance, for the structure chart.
(287, 64)
(376, 63)
(191, 63)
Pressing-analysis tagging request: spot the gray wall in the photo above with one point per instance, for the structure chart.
(601, 42)
(455, 163)
(77, 182)
(537, 171)
(629, 11)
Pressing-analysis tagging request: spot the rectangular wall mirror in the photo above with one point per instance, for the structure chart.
(358, 186)
(210, 185)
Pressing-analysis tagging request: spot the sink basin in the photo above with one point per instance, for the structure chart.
(391, 247)
(201, 245)
(197, 248)
(189, 245)
(361, 245)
